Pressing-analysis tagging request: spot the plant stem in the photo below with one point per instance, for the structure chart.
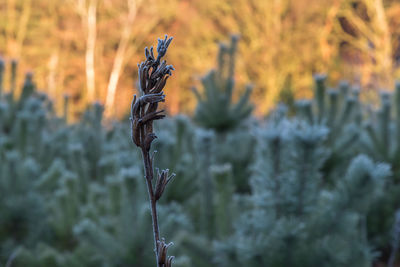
(148, 167)
(153, 77)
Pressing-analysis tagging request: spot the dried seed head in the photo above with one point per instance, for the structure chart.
(153, 75)
(152, 79)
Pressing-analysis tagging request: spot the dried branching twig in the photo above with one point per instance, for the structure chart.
(153, 75)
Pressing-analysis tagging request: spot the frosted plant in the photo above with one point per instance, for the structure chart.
(153, 75)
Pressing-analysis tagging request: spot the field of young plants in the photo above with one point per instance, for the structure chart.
(313, 184)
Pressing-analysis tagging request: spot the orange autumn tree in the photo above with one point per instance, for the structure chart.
(283, 43)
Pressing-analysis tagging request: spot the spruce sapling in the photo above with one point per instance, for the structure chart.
(153, 76)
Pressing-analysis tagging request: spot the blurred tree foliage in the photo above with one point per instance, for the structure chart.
(81, 47)
(317, 188)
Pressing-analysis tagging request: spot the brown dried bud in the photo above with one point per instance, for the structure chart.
(156, 115)
(163, 260)
(159, 86)
(162, 180)
(149, 54)
(152, 98)
(169, 261)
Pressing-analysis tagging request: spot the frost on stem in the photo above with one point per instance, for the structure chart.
(153, 75)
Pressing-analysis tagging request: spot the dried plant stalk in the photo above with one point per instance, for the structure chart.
(153, 75)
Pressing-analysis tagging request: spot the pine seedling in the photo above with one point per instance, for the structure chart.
(380, 140)
(381, 131)
(153, 75)
(335, 108)
(216, 108)
(340, 111)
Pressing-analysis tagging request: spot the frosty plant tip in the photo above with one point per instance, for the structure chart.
(153, 75)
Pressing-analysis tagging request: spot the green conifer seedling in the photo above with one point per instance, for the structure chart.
(216, 108)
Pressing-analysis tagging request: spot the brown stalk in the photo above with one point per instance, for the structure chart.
(153, 75)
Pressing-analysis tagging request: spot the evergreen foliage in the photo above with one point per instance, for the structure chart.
(380, 140)
(340, 111)
(290, 210)
(316, 187)
(216, 109)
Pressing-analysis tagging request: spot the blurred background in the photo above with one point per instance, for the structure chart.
(89, 48)
(283, 129)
